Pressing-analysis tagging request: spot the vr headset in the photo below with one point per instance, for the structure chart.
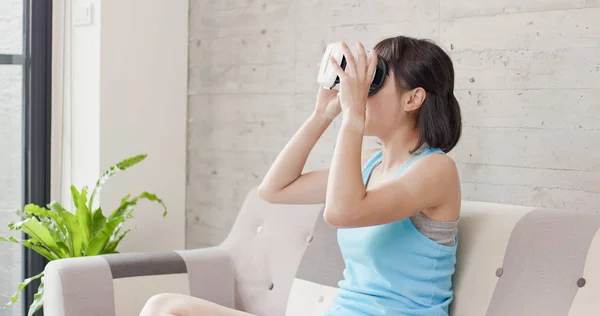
(328, 79)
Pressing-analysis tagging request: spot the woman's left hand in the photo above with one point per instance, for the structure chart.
(355, 80)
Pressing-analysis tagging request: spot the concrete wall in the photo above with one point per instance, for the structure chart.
(527, 77)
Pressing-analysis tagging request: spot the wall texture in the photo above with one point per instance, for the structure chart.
(527, 77)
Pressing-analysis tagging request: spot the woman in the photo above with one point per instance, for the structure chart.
(397, 218)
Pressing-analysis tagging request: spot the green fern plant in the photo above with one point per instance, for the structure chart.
(56, 233)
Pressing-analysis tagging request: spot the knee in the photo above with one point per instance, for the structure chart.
(159, 305)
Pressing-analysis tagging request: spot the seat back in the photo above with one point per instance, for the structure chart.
(320, 270)
(515, 260)
(267, 242)
(512, 260)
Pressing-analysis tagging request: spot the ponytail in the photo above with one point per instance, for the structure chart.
(439, 122)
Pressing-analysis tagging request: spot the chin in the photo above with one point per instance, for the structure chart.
(376, 128)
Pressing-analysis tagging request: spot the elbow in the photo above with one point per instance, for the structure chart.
(338, 216)
(266, 194)
(331, 218)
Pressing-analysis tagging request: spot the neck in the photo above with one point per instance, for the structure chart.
(397, 147)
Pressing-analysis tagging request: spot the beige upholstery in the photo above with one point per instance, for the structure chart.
(284, 260)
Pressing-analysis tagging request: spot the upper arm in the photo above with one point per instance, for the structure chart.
(431, 182)
(310, 187)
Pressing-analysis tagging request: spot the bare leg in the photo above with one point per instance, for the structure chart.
(182, 305)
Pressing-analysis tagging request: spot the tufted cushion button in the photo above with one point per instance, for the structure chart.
(309, 238)
(259, 229)
(499, 272)
(581, 282)
(271, 286)
(320, 299)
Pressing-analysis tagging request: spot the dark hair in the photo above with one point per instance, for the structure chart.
(421, 63)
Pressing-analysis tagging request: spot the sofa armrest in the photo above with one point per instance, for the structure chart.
(84, 286)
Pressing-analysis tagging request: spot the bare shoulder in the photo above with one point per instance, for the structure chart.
(439, 165)
(441, 183)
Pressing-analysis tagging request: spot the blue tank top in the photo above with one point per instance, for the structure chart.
(393, 269)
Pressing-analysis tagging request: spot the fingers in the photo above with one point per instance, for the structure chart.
(356, 67)
(361, 67)
(338, 70)
(372, 65)
(350, 63)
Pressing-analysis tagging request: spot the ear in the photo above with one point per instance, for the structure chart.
(416, 97)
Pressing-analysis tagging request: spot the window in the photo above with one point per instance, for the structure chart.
(25, 47)
(11, 145)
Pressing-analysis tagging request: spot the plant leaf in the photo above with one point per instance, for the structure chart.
(42, 251)
(75, 234)
(56, 207)
(35, 245)
(84, 218)
(36, 230)
(59, 233)
(59, 209)
(126, 207)
(22, 215)
(43, 212)
(38, 300)
(98, 221)
(13, 226)
(111, 246)
(121, 165)
(20, 288)
(31, 244)
(9, 239)
(99, 241)
(152, 197)
(75, 195)
(131, 161)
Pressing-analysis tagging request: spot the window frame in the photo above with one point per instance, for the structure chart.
(37, 78)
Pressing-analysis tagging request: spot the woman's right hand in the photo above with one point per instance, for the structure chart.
(285, 183)
(328, 104)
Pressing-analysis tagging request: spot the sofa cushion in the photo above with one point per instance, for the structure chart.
(512, 260)
(515, 260)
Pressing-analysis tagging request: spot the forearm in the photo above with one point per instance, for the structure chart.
(290, 162)
(345, 187)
